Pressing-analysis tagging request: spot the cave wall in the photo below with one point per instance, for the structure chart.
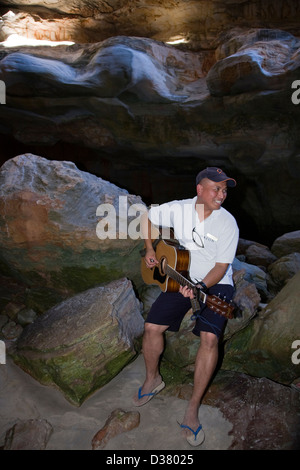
(157, 154)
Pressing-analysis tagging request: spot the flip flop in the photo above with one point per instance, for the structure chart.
(154, 392)
(198, 436)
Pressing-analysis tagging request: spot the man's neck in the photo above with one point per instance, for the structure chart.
(202, 211)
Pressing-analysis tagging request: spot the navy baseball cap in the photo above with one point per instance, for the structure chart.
(215, 174)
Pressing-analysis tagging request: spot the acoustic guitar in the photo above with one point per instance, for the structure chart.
(172, 272)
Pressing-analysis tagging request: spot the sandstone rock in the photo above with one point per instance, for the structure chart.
(32, 434)
(253, 274)
(247, 300)
(244, 244)
(252, 66)
(197, 24)
(81, 344)
(260, 256)
(283, 269)
(26, 316)
(264, 414)
(264, 348)
(50, 218)
(11, 330)
(286, 244)
(118, 422)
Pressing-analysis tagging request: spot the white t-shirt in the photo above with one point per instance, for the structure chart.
(212, 240)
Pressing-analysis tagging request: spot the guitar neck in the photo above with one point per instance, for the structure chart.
(176, 276)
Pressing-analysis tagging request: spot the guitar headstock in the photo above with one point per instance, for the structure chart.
(220, 306)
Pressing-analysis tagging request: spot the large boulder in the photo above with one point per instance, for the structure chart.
(82, 343)
(264, 414)
(265, 347)
(64, 229)
(286, 244)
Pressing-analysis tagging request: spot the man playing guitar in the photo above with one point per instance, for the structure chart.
(210, 234)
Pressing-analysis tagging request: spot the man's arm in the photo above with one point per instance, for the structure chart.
(215, 274)
(149, 232)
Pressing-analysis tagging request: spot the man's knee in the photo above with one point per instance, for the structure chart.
(154, 329)
(208, 339)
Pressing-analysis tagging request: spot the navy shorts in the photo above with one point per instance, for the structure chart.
(170, 308)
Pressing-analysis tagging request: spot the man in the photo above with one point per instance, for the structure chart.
(210, 233)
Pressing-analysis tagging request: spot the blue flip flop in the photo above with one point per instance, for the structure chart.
(154, 392)
(198, 436)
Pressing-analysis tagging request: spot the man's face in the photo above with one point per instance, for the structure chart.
(212, 194)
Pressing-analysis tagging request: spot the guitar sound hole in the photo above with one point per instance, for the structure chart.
(158, 276)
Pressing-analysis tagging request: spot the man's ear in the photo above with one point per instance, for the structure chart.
(199, 188)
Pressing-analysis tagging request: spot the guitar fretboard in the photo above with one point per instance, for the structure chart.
(176, 276)
(183, 281)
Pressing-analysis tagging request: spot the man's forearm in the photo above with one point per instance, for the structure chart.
(215, 274)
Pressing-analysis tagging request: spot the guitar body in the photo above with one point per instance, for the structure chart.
(171, 254)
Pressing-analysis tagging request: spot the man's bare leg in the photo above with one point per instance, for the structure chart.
(205, 364)
(153, 346)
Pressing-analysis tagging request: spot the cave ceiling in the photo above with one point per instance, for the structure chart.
(226, 68)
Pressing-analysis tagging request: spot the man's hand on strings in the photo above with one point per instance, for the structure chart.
(186, 292)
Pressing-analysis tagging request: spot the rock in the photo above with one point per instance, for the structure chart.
(283, 269)
(244, 244)
(260, 256)
(32, 434)
(253, 274)
(26, 316)
(246, 299)
(264, 348)
(11, 330)
(265, 415)
(252, 67)
(12, 309)
(195, 25)
(286, 244)
(118, 422)
(82, 343)
(55, 244)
